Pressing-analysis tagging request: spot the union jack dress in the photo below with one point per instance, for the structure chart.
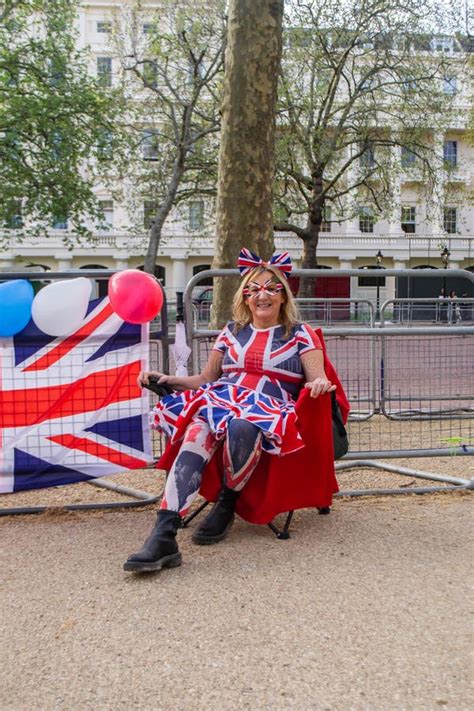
(261, 377)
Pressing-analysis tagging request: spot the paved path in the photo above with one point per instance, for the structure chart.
(364, 609)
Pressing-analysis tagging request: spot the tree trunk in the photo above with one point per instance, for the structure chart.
(307, 285)
(310, 242)
(246, 157)
(154, 242)
(163, 212)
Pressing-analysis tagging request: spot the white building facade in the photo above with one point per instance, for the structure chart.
(410, 238)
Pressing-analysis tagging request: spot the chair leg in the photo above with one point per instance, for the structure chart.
(284, 534)
(189, 518)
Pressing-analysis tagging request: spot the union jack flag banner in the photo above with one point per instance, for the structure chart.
(70, 408)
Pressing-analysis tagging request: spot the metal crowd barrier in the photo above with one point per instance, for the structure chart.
(411, 389)
(428, 311)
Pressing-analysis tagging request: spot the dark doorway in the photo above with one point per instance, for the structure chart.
(336, 287)
(430, 288)
(202, 268)
(160, 273)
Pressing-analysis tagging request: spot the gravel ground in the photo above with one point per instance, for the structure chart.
(152, 481)
(367, 608)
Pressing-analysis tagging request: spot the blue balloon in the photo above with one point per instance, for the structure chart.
(16, 298)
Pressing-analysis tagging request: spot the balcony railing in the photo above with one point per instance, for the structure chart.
(460, 246)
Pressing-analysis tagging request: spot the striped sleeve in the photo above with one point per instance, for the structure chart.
(307, 340)
(222, 341)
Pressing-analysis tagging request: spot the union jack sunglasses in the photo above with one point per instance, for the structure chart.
(253, 288)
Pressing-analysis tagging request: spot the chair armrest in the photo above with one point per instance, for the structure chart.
(160, 389)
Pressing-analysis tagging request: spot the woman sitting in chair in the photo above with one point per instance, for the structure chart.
(242, 404)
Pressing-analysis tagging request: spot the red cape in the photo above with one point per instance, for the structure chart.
(302, 479)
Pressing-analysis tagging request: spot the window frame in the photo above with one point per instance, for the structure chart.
(147, 145)
(367, 158)
(450, 226)
(60, 223)
(326, 223)
(407, 158)
(103, 27)
(196, 219)
(107, 225)
(150, 73)
(408, 222)
(149, 206)
(104, 77)
(366, 214)
(450, 153)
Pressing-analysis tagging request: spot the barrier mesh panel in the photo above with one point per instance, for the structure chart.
(407, 392)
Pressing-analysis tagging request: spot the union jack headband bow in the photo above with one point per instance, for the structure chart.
(248, 261)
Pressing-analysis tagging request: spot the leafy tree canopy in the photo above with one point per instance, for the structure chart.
(360, 80)
(174, 72)
(58, 127)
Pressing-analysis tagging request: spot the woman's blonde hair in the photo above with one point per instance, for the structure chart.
(241, 313)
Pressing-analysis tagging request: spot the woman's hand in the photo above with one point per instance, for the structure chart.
(144, 375)
(319, 386)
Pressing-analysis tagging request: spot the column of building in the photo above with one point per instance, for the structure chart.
(434, 217)
(399, 241)
(352, 224)
(179, 274)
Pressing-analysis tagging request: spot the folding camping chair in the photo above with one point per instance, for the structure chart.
(340, 443)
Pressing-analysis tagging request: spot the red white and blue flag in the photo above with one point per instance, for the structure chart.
(70, 408)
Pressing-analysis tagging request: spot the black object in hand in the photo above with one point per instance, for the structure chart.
(160, 389)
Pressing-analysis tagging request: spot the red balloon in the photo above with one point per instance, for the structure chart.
(135, 296)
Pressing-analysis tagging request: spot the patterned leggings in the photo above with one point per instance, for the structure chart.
(242, 449)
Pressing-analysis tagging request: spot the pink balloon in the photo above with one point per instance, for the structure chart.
(135, 296)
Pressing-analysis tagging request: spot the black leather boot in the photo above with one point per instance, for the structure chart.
(219, 520)
(160, 549)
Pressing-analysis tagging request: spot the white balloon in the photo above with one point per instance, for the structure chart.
(60, 307)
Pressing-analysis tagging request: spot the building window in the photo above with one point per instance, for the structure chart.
(150, 73)
(408, 158)
(450, 153)
(450, 220)
(450, 86)
(148, 28)
(105, 148)
(150, 145)
(13, 217)
(366, 219)
(104, 27)
(59, 223)
(410, 84)
(367, 159)
(150, 208)
(107, 221)
(408, 219)
(326, 223)
(196, 215)
(104, 71)
(442, 44)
